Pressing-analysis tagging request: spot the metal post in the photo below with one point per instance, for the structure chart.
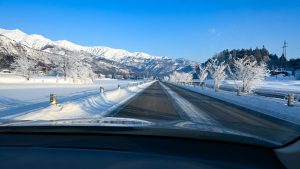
(216, 89)
(239, 91)
(101, 89)
(291, 99)
(53, 99)
(202, 85)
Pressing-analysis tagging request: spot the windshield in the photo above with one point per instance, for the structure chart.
(216, 70)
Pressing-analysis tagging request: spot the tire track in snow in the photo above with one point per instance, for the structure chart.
(189, 110)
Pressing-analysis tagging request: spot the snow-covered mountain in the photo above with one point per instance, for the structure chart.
(15, 43)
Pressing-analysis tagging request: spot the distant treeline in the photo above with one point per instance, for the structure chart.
(273, 61)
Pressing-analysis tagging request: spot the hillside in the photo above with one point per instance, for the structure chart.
(105, 60)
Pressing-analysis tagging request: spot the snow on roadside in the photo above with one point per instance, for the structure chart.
(270, 85)
(14, 95)
(270, 106)
(89, 107)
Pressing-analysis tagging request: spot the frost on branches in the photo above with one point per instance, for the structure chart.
(74, 68)
(85, 73)
(175, 77)
(24, 67)
(187, 77)
(248, 74)
(203, 72)
(166, 78)
(217, 72)
(181, 77)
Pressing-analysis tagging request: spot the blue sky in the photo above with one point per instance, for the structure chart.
(193, 29)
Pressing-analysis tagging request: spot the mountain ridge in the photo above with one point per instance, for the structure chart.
(102, 59)
(36, 41)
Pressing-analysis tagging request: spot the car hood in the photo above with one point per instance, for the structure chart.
(187, 126)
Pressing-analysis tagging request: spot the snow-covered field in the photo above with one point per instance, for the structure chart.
(30, 92)
(93, 106)
(279, 85)
(271, 106)
(17, 97)
(12, 78)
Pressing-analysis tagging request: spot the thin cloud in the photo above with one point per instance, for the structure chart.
(214, 31)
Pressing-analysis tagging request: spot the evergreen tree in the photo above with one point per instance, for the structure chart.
(282, 61)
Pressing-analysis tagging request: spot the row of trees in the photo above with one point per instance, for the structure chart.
(282, 62)
(247, 73)
(66, 66)
(258, 54)
(273, 61)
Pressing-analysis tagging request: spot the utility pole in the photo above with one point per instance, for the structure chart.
(284, 52)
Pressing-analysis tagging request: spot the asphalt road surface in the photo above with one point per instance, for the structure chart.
(153, 104)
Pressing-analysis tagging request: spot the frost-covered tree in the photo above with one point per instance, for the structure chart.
(203, 72)
(24, 67)
(67, 65)
(85, 72)
(166, 78)
(75, 68)
(175, 77)
(248, 73)
(181, 77)
(217, 72)
(186, 77)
